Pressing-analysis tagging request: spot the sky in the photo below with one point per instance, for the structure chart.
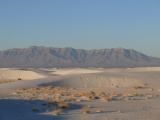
(87, 24)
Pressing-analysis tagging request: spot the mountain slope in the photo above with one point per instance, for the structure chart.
(69, 57)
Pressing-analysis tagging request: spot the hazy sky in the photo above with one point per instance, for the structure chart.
(81, 24)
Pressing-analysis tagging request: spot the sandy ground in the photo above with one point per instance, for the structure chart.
(82, 94)
(145, 69)
(15, 74)
(75, 71)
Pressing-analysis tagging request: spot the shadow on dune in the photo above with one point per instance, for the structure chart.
(60, 83)
(17, 109)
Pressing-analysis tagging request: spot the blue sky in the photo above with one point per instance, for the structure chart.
(81, 24)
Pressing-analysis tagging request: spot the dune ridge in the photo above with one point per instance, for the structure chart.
(15, 74)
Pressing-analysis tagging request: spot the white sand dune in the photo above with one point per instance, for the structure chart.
(75, 71)
(14, 74)
(144, 69)
(99, 81)
(138, 108)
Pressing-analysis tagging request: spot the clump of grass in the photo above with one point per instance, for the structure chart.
(85, 110)
(149, 96)
(107, 98)
(63, 105)
(35, 109)
(98, 110)
(140, 87)
(19, 78)
(128, 94)
(57, 111)
(91, 97)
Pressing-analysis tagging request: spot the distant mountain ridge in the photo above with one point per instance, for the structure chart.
(37, 56)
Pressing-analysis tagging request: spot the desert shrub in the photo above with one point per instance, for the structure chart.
(63, 105)
(85, 110)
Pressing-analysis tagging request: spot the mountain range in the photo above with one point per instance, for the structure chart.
(38, 56)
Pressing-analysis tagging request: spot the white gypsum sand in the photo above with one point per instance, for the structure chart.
(144, 69)
(125, 94)
(73, 71)
(15, 74)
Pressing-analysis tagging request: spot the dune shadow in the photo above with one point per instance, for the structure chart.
(18, 109)
(60, 83)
